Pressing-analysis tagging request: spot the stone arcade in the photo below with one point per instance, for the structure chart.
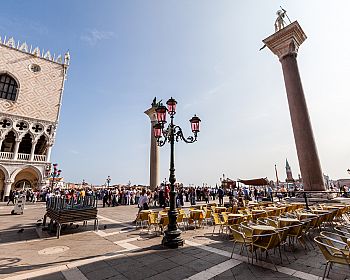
(31, 88)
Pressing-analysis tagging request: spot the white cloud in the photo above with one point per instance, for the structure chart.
(93, 36)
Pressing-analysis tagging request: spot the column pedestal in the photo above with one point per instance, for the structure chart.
(285, 44)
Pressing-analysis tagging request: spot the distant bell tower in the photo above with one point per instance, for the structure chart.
(289, 173)
(31, 88)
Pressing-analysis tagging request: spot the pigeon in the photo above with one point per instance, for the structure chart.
(70, 224)
(76, 226)
(21, 230)
(39, 221)
(105, 226)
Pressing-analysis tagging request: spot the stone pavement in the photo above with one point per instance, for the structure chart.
(120, 251)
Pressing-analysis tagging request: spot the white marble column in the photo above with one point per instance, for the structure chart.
(7, 189)
(15, 150)
(31, 158)
(48, 153)
(1, 139)
(154, 152)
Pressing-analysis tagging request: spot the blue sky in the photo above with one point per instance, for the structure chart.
(204, 54)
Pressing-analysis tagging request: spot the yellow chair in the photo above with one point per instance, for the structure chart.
(336, 237)
(163, 222)
(180, 220)
(266, 242)
(331, 253)
(153, 221)
(217, 222)
(295, 234)
(208, 217)
(142, 218)
(245, 241)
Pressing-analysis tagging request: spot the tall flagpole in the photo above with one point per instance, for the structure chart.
(278, 182)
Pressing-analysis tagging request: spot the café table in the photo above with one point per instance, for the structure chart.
(220, 209)
(319, 211)
(304, 215)
(262, 229)
(235, 218)
(284, 222)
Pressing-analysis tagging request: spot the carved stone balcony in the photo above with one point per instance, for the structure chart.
(21, 157)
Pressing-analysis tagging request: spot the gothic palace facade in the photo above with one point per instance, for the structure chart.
(31, 88)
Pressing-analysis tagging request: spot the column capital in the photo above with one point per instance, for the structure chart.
(286, 41)
(151, 113)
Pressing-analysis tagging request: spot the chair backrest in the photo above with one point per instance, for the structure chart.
(216, 218)
(266, 241)
(208, 214)
(283, 233)
(330, 252)
(271, 222)
(334, 237)
(248, 232)
(153, 218)
(143, 216)
(164, 221)
(238, 235)
(180, 218)
(224, 217)
(343, 231)
(295, 230)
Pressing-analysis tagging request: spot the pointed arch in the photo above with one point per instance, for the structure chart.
(8, 144)
(5, 171)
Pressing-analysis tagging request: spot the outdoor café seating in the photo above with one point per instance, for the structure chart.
(269, 228)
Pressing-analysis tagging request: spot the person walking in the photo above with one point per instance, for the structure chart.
(11, 197)
(221, 196)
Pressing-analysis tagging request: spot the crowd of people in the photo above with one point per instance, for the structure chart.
(130, 195)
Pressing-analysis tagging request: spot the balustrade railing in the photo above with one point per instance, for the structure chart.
(23, 156)
(39, 157)
(6, 155)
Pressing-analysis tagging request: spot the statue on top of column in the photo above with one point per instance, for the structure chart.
(155, 103)
(279, 22)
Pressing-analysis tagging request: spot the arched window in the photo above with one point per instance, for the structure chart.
(8, 87)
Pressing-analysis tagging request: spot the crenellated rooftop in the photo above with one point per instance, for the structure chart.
(35, 51)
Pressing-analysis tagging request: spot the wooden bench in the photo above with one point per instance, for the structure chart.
(66, 216)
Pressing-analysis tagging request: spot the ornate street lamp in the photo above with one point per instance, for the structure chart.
(172, 236)
(55, 174)
(108, 180)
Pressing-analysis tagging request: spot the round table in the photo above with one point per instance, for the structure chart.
(220, 209)
(255, 211)
(303, 216)
(284, 222)
(320, 211)
(262, 229)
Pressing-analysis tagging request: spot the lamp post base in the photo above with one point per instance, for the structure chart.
(172, 239)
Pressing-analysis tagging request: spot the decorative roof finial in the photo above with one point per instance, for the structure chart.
(67, 58)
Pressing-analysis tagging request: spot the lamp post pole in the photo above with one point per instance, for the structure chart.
(55, 174)
(172, 236)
